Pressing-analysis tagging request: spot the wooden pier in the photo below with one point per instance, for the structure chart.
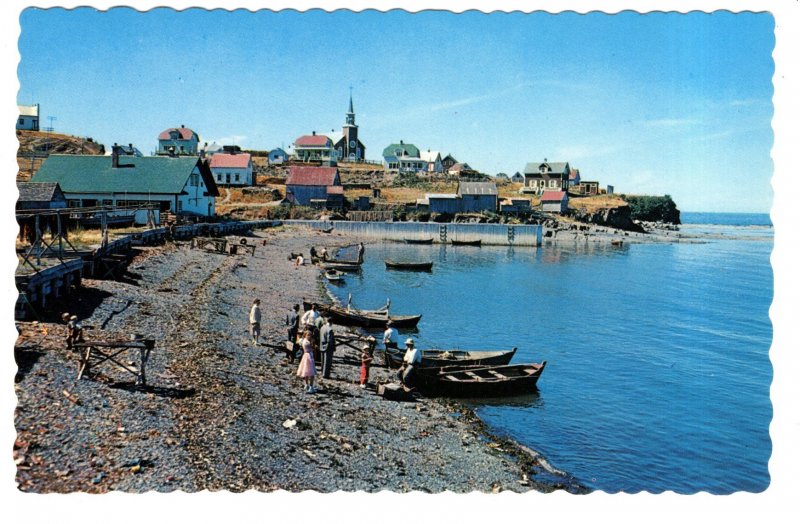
(41, 284)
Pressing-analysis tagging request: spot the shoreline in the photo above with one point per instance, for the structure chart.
(221, 414)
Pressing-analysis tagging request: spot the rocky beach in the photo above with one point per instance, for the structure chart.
(219, 413)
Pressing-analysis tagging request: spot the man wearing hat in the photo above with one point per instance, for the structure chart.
(412, 358)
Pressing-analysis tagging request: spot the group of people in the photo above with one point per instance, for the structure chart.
(318, 343)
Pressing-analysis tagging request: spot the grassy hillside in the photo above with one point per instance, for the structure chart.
(35, 146)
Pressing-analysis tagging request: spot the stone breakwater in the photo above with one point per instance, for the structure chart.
(221, 414)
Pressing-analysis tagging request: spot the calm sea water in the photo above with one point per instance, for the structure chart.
(658, 371)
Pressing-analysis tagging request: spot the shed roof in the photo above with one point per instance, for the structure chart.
(312, 141)
(227, 160)
(311, 176)
(335, 190)
(477, 188)
(553, 196)
(37, 191)
(184, 132)
(149, 174)
(440, 196)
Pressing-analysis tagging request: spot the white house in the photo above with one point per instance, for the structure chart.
(28, 117)
(232, 169)
(434, 160)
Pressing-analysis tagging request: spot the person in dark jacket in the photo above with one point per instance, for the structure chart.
(327, 346)
(292, 324)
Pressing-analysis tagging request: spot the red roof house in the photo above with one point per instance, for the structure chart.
(555, 201)
(313, 147)
(232, 169)
(237, 161)
(320, 184)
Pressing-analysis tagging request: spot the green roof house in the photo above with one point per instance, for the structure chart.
(182, 185)
(403, 158)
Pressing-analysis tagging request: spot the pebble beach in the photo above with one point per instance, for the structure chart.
(219, 413)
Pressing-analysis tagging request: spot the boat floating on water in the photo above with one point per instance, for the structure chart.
(409, 266)
(439, 358)
(418, 241)
(466, 242)
(489, 381)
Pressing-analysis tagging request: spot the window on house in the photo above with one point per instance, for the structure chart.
(180, 206)
(237, 177)
(194, 179)
(21, 121)
(219, 177)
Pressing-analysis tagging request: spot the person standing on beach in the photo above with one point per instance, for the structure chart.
(309, 317)
(411, 360)
(327, 343)
(255, 321)
(360, 252)
(306, 370)
(367, 351)
(292, 323)
(390, 336)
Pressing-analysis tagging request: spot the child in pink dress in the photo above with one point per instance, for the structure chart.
(306, 370)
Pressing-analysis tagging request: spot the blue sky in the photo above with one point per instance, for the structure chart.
(654, 104)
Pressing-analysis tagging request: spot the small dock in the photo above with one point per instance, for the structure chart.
(40, 285)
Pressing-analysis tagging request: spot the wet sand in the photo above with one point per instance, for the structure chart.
(221, 414)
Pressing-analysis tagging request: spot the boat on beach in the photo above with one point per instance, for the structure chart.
(440, 358)
(408, 266)
(488, 381)
(350, 316)
(466, 242)
(418, 241)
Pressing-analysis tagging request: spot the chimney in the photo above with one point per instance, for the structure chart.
(313, 133)
(130, 146)
(401, 142)
(115, 155)
(182, 126)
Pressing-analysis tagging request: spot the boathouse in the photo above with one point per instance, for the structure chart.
(40, 195)
(443, 203)
(177, 140)
(477, 196)
(589, 188)
(546, 176)
(232, 169)
(181, 185)
(315, 186)
(555, 201)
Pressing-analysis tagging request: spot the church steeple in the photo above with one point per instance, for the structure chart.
(350, 119)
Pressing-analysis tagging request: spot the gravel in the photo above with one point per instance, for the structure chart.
(221, 414)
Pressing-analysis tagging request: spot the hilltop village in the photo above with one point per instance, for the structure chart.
(322, 175)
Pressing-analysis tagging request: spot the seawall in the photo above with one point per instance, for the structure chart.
(488, 234)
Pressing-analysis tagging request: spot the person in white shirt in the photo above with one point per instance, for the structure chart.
(310, 317)
(411, 359)
(255, 321)
(390, 336)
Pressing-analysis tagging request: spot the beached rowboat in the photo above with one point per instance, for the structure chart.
(491, 381)
(438, 358)
(409, 266)
(365, 318)
(466, 242)
(416, 241)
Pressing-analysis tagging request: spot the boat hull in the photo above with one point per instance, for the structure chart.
(409, 266)
(342, 316)
(466, 242)
(415, 241)
(440, 358)
(492, 381)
